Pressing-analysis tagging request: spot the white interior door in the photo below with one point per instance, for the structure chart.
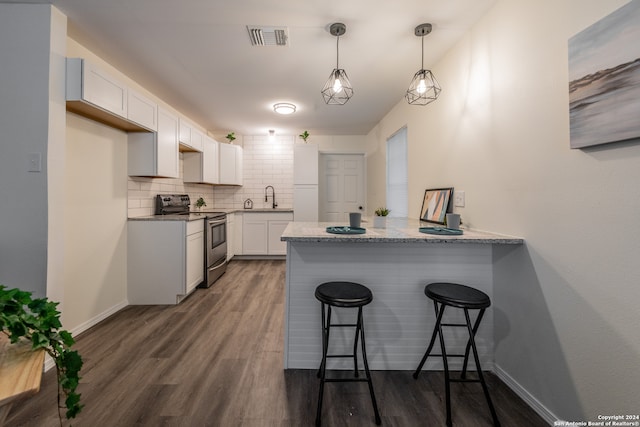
(341, 186)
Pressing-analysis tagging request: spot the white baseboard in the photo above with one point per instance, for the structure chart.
(534, 403)
(48, 361)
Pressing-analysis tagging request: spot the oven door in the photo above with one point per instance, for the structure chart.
(216, 239)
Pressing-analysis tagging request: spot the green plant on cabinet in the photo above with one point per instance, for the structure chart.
(304, 135)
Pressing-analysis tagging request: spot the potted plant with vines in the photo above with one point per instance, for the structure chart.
(231, 136)
(23, 318)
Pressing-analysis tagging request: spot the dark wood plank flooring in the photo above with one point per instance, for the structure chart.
(216, 360)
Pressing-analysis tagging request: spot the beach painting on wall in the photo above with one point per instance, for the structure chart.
(604, 79)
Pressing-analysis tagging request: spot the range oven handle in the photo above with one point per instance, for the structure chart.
(217, 222)
(224, 261)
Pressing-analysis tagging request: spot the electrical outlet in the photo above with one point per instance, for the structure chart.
(458, 199)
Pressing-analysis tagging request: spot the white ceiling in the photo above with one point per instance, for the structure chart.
(196, 55)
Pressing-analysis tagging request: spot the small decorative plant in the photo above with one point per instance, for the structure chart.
(231, 136)
(382, 212)
(200, 203)
(304, 135)
(38, 320)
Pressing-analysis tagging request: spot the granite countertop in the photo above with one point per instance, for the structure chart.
(398, 230)
(195, 216)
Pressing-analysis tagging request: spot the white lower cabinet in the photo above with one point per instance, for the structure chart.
(165, 260)
(231, 231)
(261, 232)
(194, 255)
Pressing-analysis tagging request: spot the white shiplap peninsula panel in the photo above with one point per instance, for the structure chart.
(399, 321)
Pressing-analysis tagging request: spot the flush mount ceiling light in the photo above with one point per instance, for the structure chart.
(424, 87)
(337, 90)
(284, 108)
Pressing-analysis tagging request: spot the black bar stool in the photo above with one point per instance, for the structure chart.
(346, 295)
(466, 298)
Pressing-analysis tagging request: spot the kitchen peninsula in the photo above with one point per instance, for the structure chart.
(395, 263)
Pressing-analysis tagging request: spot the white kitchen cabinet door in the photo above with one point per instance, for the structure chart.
(261, 232)
(202, 167)
(239, 168)
(155, 153)
(185, 131)
(305, 164)
(210, 154)
(237, 234)
(194, 260)
(275, 246)
(255, 234)
(168, 157)
(230, 164)
(231, 231)
(197, 139)
(142, 110)
(165, 260)
(190, 137)
(99, 87)
(305, 203)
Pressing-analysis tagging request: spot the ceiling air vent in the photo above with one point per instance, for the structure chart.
(268, 36)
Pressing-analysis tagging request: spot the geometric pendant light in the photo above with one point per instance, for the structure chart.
(424, 87)
(337, 90)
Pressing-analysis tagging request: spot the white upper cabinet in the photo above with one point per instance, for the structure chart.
(305, 164)
(202, 167)
(191, 139)
(142, 110)
(230, 164)
(155, 154)
(94, 93)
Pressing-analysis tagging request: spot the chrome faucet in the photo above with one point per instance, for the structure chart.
(273, 195)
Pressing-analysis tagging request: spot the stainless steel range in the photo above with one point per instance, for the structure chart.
(215, 250)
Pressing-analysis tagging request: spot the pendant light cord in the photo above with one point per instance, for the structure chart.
(337, 52)
(422, 66)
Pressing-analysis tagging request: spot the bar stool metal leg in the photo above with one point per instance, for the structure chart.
(466, 351)
(433, 340)
(366, 369)
(326, 323)
(355, 343)
(479, 370)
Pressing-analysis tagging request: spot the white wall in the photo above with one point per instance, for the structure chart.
(26, 81)
(567, 326)
(95, 222)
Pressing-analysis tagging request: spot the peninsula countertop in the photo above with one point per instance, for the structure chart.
(397, 230)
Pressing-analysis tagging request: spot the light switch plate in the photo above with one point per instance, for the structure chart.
(458, 199)
(35, 162)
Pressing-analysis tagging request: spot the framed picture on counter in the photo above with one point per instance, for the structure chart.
(435, 205)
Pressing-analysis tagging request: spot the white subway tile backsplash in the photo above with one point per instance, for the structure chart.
(264, 163)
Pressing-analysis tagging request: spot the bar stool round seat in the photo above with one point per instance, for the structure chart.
(459, 296)
(466, 298)
(343, 295)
